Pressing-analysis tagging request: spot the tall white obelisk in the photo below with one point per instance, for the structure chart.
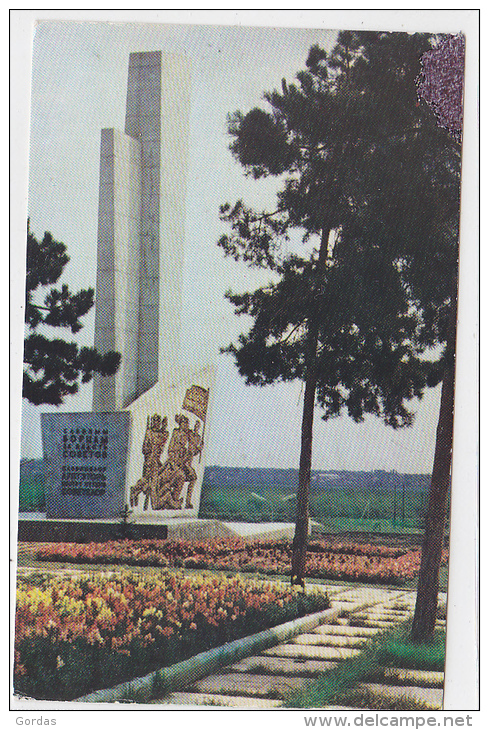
(141, 230)
(138, 300)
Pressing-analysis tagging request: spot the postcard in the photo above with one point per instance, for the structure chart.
(247, 304)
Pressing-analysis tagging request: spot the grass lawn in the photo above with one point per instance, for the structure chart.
(402, 652)
(392, 648)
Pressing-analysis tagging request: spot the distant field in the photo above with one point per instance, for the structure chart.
(31, 487)
(341, 501)
(344, 510)
(377, 501)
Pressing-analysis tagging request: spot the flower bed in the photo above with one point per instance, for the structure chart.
(81, 633)
(325, 559)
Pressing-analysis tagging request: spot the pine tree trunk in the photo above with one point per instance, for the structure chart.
(428, 581)
(299, 543)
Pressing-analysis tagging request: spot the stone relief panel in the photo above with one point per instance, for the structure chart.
(168, 483)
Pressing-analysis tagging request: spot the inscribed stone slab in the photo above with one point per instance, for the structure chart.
(85, 456)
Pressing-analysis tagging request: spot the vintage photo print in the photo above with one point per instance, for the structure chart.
(246, 291)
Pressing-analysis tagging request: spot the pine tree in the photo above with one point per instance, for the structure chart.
(53, 367)
(372, 184)
(441, 85)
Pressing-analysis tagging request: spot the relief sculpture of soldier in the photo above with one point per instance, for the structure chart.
(154, 483)
(195, 446)
(172, 475)
(162, 484)
(183, 447)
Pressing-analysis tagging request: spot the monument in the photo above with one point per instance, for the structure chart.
(148, 420)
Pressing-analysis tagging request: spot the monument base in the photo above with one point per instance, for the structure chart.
(36, 527)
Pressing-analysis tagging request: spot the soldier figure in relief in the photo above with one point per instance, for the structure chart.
(195, 446)
(154, 442)
(174, 467)
(162, 484)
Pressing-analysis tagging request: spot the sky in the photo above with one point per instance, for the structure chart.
(79, 78)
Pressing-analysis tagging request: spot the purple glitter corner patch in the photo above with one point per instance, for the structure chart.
(441, 83)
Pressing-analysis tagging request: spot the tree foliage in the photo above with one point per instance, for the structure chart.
(372, 185)
(55, 367)
(357, 155)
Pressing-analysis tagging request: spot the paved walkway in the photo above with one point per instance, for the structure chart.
(262, 681)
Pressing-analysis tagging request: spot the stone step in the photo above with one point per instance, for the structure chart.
(303, 651)
(384, 616)
(387, 612)
(432, 697)
(330, 590)
(370, 595)
(329, 640)
(417, 677)
(282, 665)
(408, 609)
(195, 698)
(344, 607)
(344, 630)
(376, 616)
(250, 685)
(379, 625)
(378, 622)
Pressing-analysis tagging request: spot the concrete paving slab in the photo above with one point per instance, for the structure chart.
(329, 640)
(330, 653)
(406, 601)
(344, 607)
(367, 593)
(383, 607)
(332, 590)
(380, 614)
(417, 677)
(407, 609)
(249, 685)
(373, 624)
(296, 667)
(430, 696)
(356, 599)
(345, 630)
(373, 616)
(194, 698)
